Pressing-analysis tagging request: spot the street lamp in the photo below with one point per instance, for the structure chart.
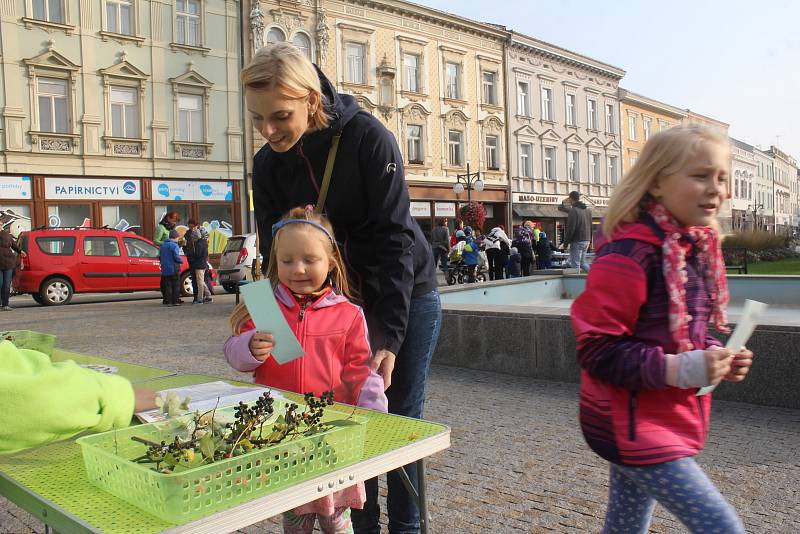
(468, 181)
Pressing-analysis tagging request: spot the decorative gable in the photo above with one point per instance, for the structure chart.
(51, 60)
(124, 69)
(612, 145)
(526, 131)
(573, 139)
(594, 142)
(550, 135)
(191, 78)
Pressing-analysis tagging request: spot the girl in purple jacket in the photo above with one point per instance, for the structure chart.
(642, 332)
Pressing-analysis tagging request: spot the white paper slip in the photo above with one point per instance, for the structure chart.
(203, 397)
(268, 317)
(751, 315)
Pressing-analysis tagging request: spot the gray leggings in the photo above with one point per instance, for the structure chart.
(680, 486)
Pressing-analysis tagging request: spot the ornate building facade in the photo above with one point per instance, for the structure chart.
(563, 130)
(641, 117)
(434, 79)
(114, 112)
(744, 209)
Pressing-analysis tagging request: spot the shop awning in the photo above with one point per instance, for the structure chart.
(539, 211)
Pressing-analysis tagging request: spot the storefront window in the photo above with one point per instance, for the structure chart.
(122, 217)
(218, 220)
(163, 209)
(69, 215)
(15, 218)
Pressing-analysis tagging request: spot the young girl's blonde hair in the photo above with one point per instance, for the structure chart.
(666, 153)
(284, 66)
(337, 276)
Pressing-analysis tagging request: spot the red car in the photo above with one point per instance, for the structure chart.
(59, 262)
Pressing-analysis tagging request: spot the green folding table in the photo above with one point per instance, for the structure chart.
(50, 481)
(133, 372)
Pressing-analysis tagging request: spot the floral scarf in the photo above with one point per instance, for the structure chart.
(709, 252)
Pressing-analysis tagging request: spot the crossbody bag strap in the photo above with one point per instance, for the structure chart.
(326, 179)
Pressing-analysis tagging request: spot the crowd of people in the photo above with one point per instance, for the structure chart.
(194, 243)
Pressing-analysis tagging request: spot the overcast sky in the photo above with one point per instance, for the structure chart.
(734, 60)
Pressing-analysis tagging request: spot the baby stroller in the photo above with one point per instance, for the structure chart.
(458, 273)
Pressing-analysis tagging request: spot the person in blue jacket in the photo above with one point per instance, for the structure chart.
(301, 115)
(471, 253)
(171, 262)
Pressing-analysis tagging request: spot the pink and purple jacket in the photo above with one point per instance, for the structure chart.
(333, 332)
(628, 413)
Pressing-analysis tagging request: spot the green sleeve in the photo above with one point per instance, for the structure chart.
(44, 401)
(160, 235)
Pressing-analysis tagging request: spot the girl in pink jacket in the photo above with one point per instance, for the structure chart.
(311, 288)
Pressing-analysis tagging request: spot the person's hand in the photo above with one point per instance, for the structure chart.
(718, 364)
(145, 399)
(740, 366)
(383, 364)
(261, 345)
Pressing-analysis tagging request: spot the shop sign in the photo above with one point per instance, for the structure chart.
(91, 189)
(16, 187)
(177, 190)
(444, 209)
(599, 202)
(420, 209)
(531, 198)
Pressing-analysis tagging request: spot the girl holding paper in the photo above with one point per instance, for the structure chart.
(642, 333)
(312, 291)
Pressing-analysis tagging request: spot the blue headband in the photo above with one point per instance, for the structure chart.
(280, 224)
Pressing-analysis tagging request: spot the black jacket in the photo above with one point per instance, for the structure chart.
(387, 256)
(579, 223)
(198, 259)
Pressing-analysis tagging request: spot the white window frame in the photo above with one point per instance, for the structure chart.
(117, 30)
(610, 122)
(646, 130)
(573, 165)
(594, 167)
(308, 44)
(526, 160)
(549, 162)
(455, 148)
(419, 141)
(452, 84)
(523, 98)
(613, 170)
(46, 8)
(547, 103)
(591, 113)
(355, 64)
(194, 116)
(571, 109)
(489, 87)
(632, 127)
(272, 32)
(52, 97)
(125, 134)
(492, 153)
(188, 18)
(411, 73)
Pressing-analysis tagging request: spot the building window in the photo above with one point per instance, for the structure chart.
(610, 122)
(591, 113)
(573, 166)
(275, 35)
(736, 189)
(411, 71)
(489, 88)
(612, 170)
(594, 168)
(303, 43)
(646, 128)
(49, 10)
(547, 104)
(414, 144)
(571, 118)
(549, 161)
(632, 127)
(356, 58)
(526, 160)
(124, 112)
(455, 151)
(53, 105)
(453, 82)
(188, 19)
(492, 153)
(634, 157)
(119, 16)
(523, 99)
(190, 118)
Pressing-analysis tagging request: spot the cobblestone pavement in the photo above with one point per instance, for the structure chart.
(517, 463)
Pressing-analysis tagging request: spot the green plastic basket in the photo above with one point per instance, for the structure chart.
(194, 493)
(28, 339)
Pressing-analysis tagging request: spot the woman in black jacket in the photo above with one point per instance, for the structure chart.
(8, 262)
(306, 124)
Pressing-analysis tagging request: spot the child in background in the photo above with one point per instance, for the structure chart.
(171, 262)
(544, 252)
(642, 332)
(514, 266)
(310, 283)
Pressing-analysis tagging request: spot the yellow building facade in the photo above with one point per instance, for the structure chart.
(641, 117)
(435, 80)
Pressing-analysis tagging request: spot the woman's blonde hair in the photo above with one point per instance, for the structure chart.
(338, 273)
(284, 66)
(665, 154)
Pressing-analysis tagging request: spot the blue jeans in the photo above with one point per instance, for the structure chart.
(680, 486)
(5, 285)
(406, 397)
(577, 255)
